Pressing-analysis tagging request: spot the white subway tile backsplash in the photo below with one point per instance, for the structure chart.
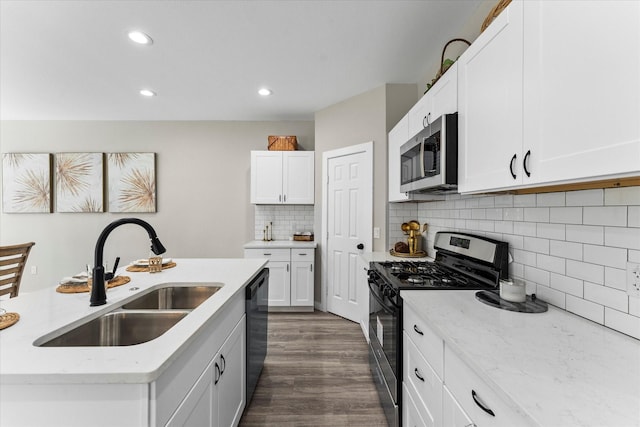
(585, 198)
(551, 263)
(622, 196)
(615, 278)
(568, 250)
(537, 245)
(600, 215)
(536, 214)
(622, 322)
(621, 237)
(585, 234)
(587, 309)
(550, 199)
(572, 215)
(524, 200)
(551, 231)
(571, 248)
(585, 271)
(604, 255)
(533, 274)
(552, 296)
(608, 297)
(566, 284)
(633, 216)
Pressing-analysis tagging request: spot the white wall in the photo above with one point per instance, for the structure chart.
(202, 172)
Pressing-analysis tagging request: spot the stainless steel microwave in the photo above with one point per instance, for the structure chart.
(429, 160)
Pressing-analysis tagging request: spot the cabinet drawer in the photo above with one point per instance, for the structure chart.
(452, 413)
(465, 384)
(302, 254)
(421, 379)
(428, 343)
(271, 254)
(410, 415)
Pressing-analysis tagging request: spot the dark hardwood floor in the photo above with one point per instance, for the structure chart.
(316, 374)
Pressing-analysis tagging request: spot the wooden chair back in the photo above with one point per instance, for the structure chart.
(12, 262)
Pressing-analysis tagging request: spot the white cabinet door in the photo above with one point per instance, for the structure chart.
(298, 177)
(581, 89)
(452, 413)
(230, 378)
(279, 283)
(397, 136)
(301, 283)
(420, 114)
(282, 177)
(362, 276)
(444, 94)
(490, 105)
(196, 409)
(266, 177)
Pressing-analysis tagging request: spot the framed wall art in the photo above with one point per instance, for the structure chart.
(26, 183)
(132, 182)
(79, 182)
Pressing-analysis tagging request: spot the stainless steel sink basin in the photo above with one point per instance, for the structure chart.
(181, 297)
(118, 328)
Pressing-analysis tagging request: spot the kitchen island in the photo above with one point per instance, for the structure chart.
(545, 369)
(143, 384)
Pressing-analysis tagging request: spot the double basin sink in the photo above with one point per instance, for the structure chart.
(142, 319)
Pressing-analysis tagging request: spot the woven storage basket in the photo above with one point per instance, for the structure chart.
(442, 69)
(495, 11)
(283, 143)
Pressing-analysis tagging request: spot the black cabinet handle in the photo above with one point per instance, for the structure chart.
(525, 162)
(217, 374)
(513, 159)
(418, 331)
(477, 400)
(224, 364)
(418, 374)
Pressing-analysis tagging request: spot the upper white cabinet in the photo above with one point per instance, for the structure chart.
(581, 89)
(540, 105)
(397, 136)
(490, 105)
(441, 99)
(282, 177)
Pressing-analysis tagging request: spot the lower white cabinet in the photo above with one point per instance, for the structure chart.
(439, 389)
(291, 276)
(218, 397)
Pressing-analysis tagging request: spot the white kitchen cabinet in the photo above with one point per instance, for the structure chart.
(291, 276)
(229, 378)
(441, 99)
(581, 90)
(362, 277)
(539, 105)
(490, 105)
(282, 177)
(410, 415)
(452, 413)
(196, 409)
(421, 379)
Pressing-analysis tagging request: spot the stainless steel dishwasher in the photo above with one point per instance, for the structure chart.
(257, 296)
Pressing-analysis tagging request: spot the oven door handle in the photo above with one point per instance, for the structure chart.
(381, 301)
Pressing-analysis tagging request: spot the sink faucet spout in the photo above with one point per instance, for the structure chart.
(98, 288)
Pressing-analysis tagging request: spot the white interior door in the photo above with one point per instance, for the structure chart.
(349, 218)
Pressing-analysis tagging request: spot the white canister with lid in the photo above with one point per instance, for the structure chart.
(513, 291)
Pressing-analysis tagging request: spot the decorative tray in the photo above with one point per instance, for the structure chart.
(8, 319)
(145, 268)
(418, 254)
(76, 288)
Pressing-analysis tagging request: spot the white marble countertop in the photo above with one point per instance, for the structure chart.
(280, 244)
(558, 368)
(45, 311)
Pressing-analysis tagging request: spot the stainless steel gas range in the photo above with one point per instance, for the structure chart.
(463, 261)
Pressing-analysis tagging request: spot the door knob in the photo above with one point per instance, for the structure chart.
(360, 246)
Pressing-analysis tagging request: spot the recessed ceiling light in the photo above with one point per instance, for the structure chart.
(265, 92)
(147, 92)
(140, 37)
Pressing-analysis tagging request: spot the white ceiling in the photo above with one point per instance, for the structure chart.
(72, 60)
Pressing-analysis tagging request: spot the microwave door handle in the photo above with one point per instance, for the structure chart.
(422, 173)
